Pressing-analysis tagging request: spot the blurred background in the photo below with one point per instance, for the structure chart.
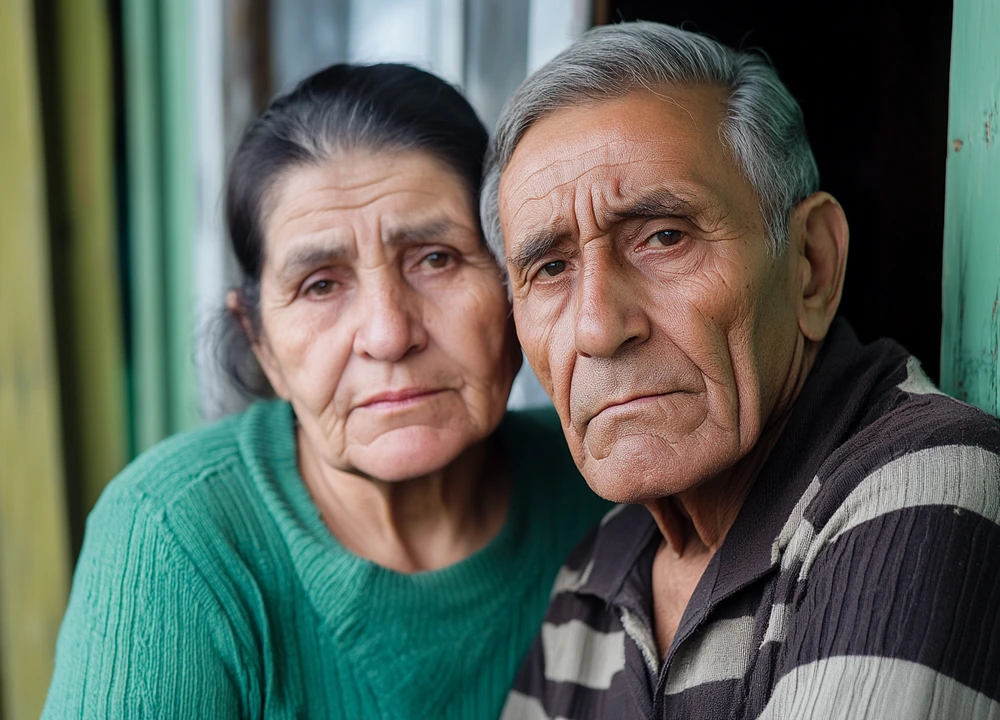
(118, 117)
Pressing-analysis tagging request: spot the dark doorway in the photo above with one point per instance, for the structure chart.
(872, 79)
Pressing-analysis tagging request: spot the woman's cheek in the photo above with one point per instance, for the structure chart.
(316, 354)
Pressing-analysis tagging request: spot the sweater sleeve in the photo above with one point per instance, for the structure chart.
(143, 635)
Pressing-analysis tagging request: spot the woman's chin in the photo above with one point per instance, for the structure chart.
(410, 452)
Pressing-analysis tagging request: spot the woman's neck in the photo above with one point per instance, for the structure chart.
(420, 524)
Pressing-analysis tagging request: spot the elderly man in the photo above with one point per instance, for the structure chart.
(819, 534)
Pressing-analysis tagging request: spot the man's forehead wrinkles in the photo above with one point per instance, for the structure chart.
(618, 152)
(546, 194)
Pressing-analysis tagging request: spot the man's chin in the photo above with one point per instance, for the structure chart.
(623, 490)
(643, 468)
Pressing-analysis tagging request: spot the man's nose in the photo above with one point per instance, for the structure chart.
(390, 324)
(609, 314)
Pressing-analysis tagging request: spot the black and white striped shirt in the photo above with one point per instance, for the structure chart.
(861, 578)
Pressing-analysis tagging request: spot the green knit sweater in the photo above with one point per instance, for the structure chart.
(209, 587)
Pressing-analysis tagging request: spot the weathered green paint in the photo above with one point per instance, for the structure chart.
(179, 197)
(162, 196)
(147, 331)
(970, 366)
(94, 396)
(34, 547)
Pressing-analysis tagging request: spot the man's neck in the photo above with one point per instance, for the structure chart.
(694, 523)
(698, 520)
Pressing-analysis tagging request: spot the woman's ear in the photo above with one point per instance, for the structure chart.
(258, 343)
(818, 235)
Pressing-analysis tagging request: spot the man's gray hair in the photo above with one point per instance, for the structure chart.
(763, 127)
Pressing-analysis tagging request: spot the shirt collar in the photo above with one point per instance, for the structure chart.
(826, 412)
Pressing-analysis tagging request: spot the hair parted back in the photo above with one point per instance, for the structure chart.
(763, 128)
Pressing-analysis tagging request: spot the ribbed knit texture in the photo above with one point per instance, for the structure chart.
(209, 587)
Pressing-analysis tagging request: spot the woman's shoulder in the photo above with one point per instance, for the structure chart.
(534, 427)
(562, 505)
(536, 448)
(164, 556)
(196, 462)
(534, 442)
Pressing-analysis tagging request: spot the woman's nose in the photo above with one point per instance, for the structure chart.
(390, 324)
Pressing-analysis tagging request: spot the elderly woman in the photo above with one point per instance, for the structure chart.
(381, 540)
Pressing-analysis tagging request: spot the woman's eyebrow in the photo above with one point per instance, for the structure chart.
(306, 259)
(418, 234)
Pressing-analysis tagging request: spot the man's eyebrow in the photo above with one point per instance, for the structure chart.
(534, 248)
(658, 203)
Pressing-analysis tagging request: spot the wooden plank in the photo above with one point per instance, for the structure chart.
(148, 366)
(970, 366)
(180, 197)
(34, 566)
(94, 401)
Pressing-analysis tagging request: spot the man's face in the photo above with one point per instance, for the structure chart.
(644, 294)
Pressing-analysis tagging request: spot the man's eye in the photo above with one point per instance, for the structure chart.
(438, 260)
(321, 288)
(551, 269)
(664, 238)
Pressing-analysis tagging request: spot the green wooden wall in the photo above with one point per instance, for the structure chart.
(162, 193)
(970, 367)
(85, 249)
(34, 543)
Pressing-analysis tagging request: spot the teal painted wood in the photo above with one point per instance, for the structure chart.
(180, 197)
(162, 205)
(147, 332)
(970, 366)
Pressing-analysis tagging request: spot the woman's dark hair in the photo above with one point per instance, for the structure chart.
(342, 108)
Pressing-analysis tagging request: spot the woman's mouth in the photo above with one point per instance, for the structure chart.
(398, 398)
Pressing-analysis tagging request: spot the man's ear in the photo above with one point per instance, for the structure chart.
(818, 235)
(258, 344)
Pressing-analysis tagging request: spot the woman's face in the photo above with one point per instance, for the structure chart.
(384, 320)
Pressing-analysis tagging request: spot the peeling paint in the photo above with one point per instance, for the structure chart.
(970, 350)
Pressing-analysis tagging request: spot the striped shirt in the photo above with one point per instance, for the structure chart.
(861, 578)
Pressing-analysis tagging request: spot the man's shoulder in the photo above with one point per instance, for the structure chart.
(917, 447)
(600, 562)
(920, 460)
(579, 654)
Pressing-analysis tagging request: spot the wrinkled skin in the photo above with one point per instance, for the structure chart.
(669, 338)
(376, 281)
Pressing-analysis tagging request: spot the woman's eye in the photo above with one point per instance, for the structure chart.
(551, 269)
(321, 287)
(438, 260)
(665, 238)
